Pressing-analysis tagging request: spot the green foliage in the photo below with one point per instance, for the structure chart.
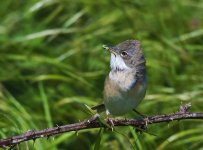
(52, 63)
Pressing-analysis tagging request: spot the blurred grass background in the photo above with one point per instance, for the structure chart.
(52, 62)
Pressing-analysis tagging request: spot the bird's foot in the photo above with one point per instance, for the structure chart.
(141, 128)
(110, 123)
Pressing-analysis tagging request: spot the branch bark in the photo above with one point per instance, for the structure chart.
(95, 123)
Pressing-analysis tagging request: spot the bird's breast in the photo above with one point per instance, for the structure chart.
(122, 79)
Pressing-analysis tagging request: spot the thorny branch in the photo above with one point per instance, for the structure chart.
(95, 123)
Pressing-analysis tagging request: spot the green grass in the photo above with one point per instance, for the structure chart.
(52, 63)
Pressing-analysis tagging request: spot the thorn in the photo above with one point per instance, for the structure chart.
(30, 133)
(58, 127)
(184, 108)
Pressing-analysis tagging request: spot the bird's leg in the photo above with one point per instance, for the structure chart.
(109, 120)
(143, 127)
(106, 122)
(137, 112)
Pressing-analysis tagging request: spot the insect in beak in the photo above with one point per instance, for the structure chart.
(110, 48)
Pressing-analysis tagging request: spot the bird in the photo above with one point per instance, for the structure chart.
(126, 83)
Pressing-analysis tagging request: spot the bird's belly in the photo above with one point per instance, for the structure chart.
(121, 103)
(119, 106)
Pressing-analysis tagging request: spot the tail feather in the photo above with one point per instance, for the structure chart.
(99, 108)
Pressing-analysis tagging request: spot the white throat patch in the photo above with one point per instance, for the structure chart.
(117, 63)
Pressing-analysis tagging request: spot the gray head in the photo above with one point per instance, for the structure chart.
(126, 56)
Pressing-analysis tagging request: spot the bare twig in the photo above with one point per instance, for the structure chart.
(95, 123)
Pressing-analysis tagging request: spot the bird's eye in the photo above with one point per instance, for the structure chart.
(124, 53)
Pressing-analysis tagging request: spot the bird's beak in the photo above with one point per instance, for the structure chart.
(106, 47)
(112, 49)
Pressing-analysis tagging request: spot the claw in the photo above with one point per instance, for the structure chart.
(111, 123)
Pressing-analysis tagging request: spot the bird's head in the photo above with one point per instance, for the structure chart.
(126, 56)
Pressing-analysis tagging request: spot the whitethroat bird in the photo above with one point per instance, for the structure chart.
(125, 86)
